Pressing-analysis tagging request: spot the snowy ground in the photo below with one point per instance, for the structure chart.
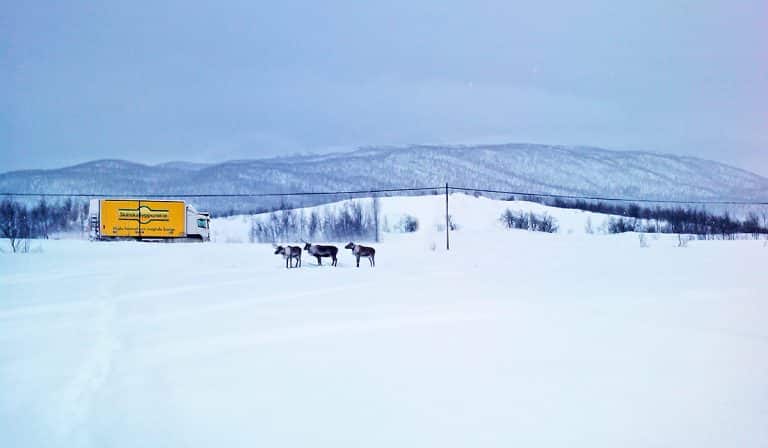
(510, 339)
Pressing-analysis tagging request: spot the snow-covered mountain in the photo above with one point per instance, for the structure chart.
(517, 167)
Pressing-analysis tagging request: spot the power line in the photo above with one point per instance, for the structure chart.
(392, 190)
(227, 195)
(603, 198)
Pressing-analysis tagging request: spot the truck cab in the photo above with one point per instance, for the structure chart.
(198, 224)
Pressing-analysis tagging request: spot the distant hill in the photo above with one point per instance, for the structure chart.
(518, 167)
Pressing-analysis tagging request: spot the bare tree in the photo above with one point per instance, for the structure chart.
(15, 225)
(39, 216)
(765, 224)
(83, 216)
(375, 211)
(314, 224)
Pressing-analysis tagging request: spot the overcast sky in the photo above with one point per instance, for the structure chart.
(154, 81)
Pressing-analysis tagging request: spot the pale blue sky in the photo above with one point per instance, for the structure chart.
(155, 81)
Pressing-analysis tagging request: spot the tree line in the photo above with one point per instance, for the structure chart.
(633, 217)
(20, 222)
(356, 220)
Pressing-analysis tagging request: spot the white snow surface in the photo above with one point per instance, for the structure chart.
(511, 338)
(469, 213)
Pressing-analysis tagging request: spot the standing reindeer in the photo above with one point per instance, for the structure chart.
(290, 253)
(362, 251)
(319, 252)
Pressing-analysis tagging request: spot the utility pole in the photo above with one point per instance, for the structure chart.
(447, 221)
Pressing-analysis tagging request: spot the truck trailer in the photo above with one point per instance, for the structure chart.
(144, 219)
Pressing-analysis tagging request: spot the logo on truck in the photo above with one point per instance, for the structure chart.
(143, 214)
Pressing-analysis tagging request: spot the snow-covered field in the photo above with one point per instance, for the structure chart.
(510, 339)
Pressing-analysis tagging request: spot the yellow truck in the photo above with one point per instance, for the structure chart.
(146, 219)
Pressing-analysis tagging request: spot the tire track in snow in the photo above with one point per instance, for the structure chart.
(74, 405)
(210, 346)
(78, 306)
(262, 300)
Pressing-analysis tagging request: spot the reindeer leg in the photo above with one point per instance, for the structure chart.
(358, 260)
(371, 260)
(319, 261)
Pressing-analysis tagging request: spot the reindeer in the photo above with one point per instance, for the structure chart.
(290, 253)
(319, 252)
(362, 251)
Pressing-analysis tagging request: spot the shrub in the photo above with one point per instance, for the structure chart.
(621, 225)
(408, 224)
(529, 221)
(452, 225)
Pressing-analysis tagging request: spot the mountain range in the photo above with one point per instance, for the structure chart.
(516, 167)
